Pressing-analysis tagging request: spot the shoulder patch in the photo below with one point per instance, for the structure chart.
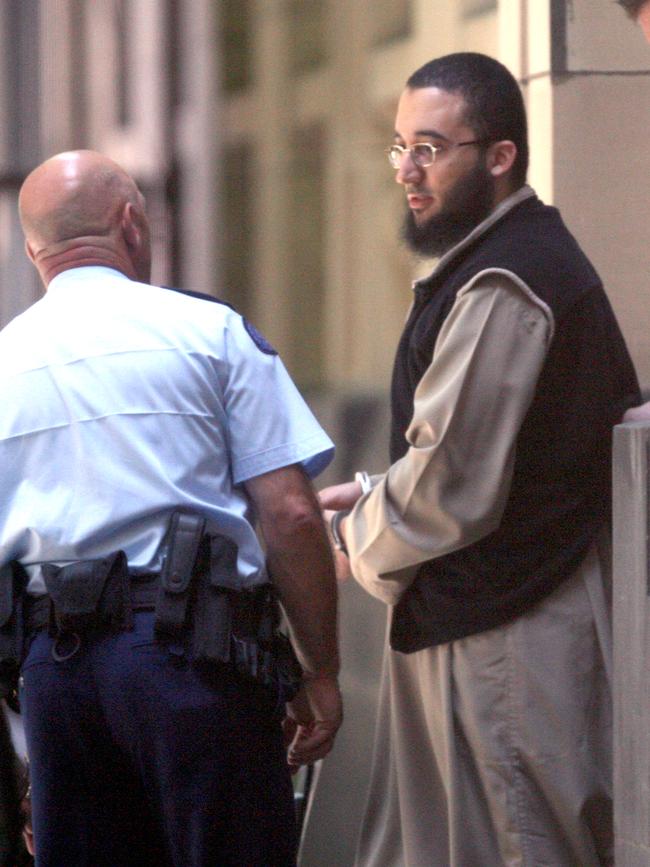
(258, 339)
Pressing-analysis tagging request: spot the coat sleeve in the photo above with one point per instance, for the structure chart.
(451, 486)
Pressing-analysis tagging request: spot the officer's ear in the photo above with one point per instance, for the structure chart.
(131, 225)
(30, 253)
(500, 158)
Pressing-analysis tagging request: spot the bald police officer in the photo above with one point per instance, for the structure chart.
(124, 403)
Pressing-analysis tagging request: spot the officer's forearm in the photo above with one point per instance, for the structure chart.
(300, 564)
(301, 568)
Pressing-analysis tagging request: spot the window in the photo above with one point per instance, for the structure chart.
(237, 225)
(21, 76)
(307, 34)
(20, 283)
(77, 51)
(478, 7)
(122, 30)
(391, 21)
(20, 151)
(307, 252)
(236, 72)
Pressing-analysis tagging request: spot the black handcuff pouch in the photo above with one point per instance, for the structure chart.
(89, 595)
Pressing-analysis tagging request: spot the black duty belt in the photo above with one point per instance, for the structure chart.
(194, 599)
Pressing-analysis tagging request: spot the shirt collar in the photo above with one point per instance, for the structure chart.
(85, 272)
(520, 195)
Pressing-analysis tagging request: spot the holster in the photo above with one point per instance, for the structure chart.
(89, 595)
(213, 613)
(221, 625)
(13, 580)
(184, 543)
(241, 626)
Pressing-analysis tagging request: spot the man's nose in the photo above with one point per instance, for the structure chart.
(408, 172)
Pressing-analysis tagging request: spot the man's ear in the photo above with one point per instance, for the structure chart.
(30, 253)
(501, 156)
(130, 224)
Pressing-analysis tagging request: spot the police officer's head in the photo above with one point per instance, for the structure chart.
(80, 208)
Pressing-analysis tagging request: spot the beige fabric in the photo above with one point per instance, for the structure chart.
(496, 749)
(480, 383)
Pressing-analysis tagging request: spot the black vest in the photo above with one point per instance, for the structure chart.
(561, 490)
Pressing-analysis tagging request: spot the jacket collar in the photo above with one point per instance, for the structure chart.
(514, 199)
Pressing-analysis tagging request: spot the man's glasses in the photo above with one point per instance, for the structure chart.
(423, 153)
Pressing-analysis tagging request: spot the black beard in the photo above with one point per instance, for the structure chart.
(468, 203)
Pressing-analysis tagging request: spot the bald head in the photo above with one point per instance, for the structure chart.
(80, 207)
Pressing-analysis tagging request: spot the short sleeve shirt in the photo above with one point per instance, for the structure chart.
(124, 401)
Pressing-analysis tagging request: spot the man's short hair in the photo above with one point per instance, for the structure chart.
(494, 103)
(632, 7)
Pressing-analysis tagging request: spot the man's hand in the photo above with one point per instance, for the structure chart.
(338, 497)
(317, 713)
(638, 413)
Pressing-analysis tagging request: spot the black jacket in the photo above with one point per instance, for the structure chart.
(561, 490)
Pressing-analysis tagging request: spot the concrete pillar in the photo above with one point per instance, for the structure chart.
(631, 646)
(270, 131)
(55, 72)
(586, 75)
(21, 29)
(585, 72)
(195, 132)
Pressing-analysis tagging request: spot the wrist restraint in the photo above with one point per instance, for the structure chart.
(335, 528)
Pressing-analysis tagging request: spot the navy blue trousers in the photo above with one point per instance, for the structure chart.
(137, 760)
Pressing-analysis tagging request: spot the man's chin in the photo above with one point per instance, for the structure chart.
(421, 218)
(423, 236)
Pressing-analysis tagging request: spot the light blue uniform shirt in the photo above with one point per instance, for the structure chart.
(122, 402)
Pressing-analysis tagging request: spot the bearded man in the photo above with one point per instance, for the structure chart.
(487, 535)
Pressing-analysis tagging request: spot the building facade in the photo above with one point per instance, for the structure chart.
(256, 129)
(135, 79)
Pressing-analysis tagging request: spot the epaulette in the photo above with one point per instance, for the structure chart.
(200, 295)
(258, 339)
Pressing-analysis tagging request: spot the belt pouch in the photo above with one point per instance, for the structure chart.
(13, 580)
(90, 593)
(172, 607)
(211, 639)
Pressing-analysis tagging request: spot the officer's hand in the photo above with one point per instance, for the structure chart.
(318, 713)
(340, 496)
(26, 814)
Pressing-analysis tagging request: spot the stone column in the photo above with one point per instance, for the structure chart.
(585, 71)
(195, 132)
(270, 130)
(631, 646)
